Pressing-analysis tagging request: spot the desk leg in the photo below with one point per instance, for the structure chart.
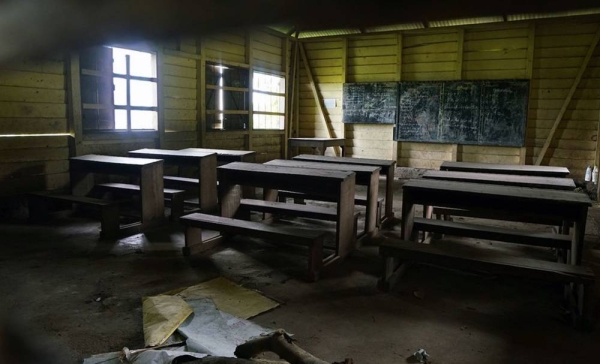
(578, 237)
(207, 189)
(229, 196)
(345, 229)
(249, 191)
(152, 195)
(81, 183)
(343, 149)
(389, 191)
(408, 215)
(269, 195)
(372, 194)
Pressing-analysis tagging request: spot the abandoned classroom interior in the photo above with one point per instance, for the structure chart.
(390, 181)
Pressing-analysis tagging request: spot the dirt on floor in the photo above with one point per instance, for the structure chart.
(72, 295)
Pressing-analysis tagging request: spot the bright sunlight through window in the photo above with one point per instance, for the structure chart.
(135, 90)
(268, 101)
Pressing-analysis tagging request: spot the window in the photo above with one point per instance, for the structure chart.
(268, 101)
(118, 90)
(227, 97)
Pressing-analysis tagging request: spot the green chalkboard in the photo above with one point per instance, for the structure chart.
(463, 112)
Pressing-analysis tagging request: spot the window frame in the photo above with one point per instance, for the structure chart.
(91, 135)
(128, 77)
(218, 90)
(282, 94)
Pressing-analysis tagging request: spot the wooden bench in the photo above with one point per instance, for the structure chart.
(109, 210)
(535, 238)
(307, 211)
(282, 208)
(445, 212)
(313, 239)
(181, 181)
(394, 251)
(176, 197)
(358, 200)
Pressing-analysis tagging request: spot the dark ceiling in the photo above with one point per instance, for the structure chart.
(33, 27)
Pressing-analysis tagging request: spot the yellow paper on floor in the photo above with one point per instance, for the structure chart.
(162, 316)
(230, 297)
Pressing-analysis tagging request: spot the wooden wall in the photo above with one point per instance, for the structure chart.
(34, 104)
(549, 52)
(34, 148)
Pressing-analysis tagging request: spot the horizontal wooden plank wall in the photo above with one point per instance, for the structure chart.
(325, 59)
(371, 59)
(550, 51)
(180, 96)
(33, 101)
(559, 52)
(494, 52)
(229, 46)
(428, 56)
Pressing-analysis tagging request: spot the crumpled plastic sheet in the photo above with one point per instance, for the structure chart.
(208, 332)
(215, 332)
(146, 357)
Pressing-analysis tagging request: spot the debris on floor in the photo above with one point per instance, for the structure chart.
(228, 297)
(421, 356)
(162, 316)
(211, 319)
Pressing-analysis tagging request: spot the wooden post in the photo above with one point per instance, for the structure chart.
(201, 94)
(318, 99)
(529, 73)
(249, 61)
(292, 103)
(586, 60)
(74, 98)
(159, 97)
(286, 118)
(395, 144)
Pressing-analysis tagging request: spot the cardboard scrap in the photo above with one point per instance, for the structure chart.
(230, 297)
(162, 316)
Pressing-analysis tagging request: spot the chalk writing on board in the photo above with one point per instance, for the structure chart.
(459, 114)
(464, 112)
(504, 110)
(370, 103)
(419, 111)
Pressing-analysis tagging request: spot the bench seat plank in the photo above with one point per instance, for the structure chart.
(313, 239)
(109, 210)
(182, 180)
(175, 196)
(485, 260)
(307, 211)
(393, 250)
(534, 238)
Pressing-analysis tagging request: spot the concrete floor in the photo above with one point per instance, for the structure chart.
(51, 277)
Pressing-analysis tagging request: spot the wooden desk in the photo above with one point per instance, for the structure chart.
(388, 168)
(329, 184)
(523, 170)
(205, 162)
(551, 183)
(365, 176)
(317, 144)
(227, 156)
(149, 172)
(564, 206)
